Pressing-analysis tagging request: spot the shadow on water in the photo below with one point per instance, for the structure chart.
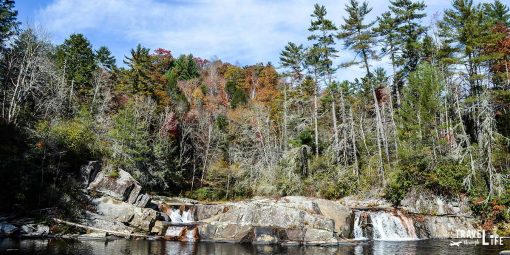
(142, 247)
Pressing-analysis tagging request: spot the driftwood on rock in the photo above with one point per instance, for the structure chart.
(116, 233)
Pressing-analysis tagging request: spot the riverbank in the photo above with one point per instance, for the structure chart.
(119, 208)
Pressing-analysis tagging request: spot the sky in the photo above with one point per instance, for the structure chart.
(240, 32)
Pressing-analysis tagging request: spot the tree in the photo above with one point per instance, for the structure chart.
(407, 20)
(358, 36)
(387, 31)
(185, 68)
(105, 59)
(8, 22)
(497, 12)
(76, 60)
(136, 79)
(320, 56)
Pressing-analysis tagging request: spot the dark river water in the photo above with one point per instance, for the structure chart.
(142, 247)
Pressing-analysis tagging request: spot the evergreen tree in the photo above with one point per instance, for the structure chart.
(105, 59)
(76, 59)
(8, 22)
(185, 68)
(497, 12)
(465, 29)
(357, 34)
(137, 78)
(320, 56)
(292, 58)
(407, 20)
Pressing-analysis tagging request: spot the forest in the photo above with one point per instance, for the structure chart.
(435, 116)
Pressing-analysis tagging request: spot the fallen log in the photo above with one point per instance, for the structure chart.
(116, 233)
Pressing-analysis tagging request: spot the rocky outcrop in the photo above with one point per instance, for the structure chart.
(422, 202)
(289, 219)
(34, 230)
(139, 218)
(123, 187)
(443, 226)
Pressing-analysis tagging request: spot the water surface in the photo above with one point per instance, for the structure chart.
(144, 247)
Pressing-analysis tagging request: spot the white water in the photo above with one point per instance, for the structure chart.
(186, 217)
(386, 226)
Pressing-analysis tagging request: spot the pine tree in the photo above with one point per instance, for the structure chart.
(137, 78)
(75, 58)
(407, 20)
(465, 29)
(497, 12)
(105, 59)
(357, 34)
(292, 58)
(320, 56)
(8, 22)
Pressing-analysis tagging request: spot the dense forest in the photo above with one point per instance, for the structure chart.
(436, 117)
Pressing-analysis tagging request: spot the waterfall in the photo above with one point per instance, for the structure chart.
(383, 225)
(186, 217)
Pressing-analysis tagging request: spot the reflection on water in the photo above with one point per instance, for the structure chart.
(142, 247)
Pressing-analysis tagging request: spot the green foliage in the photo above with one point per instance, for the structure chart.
(186, 68)
(136, 80)
(8, 22)
(76, 60)
(105, 59)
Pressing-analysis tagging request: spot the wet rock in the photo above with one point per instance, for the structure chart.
(266, 235)
(35, 230)
(7, 229)
(319, 237)
(124, 187)
(174, 233)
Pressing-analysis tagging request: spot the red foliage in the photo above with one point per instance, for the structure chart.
(170, 127)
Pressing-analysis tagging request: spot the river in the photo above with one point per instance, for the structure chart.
(143, 247)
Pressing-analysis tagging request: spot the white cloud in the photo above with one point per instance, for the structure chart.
(248, 31)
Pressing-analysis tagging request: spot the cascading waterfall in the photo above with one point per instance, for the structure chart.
(185, 217)
(383, 226)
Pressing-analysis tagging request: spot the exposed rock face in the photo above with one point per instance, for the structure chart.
(443, 226)
(422, 202)
(136, 217)
(289, 219)
(123, 188)
(89, 172)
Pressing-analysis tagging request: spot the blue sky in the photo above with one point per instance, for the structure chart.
(237, 31)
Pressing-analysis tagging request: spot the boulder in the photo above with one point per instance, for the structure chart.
(340, 214)
(34, 230)
(124, 187)
(7, 229)
(174, 233)
(419, 201)
(143, 219)
(101, 222)
(294, 216)
(115, 210)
